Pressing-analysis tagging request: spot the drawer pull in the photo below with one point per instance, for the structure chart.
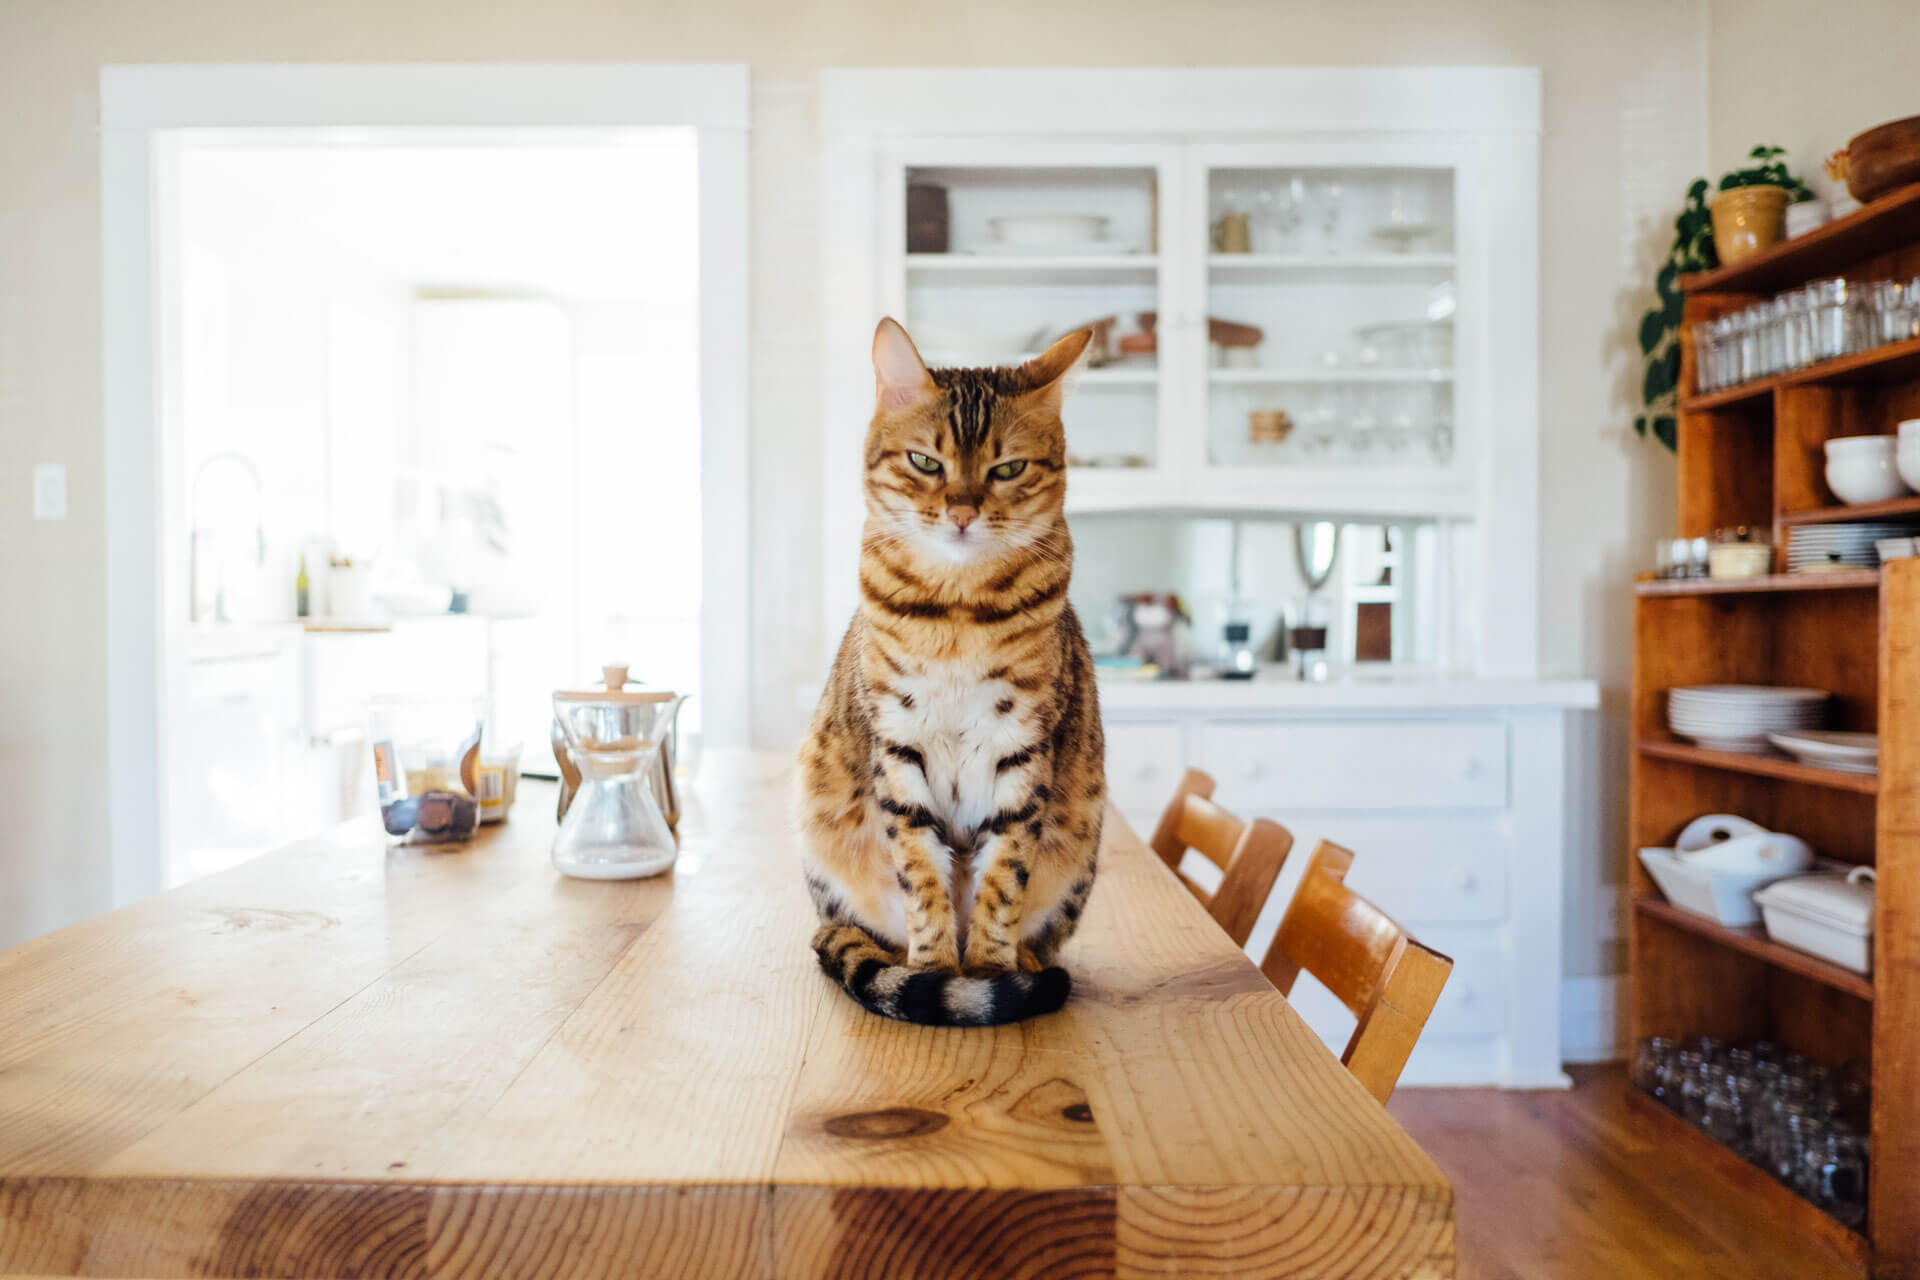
(1464, 880)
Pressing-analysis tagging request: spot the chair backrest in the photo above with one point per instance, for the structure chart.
(1386, 979)
(1249, 854)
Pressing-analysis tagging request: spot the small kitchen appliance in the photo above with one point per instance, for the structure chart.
(615, 828)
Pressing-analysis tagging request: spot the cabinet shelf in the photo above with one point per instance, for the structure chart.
(1771, 1200)
(1894, 362)
(1833, 580)
(1228, 264)
(1032, 268)
(1753, 940)
(1887, 223)
(1284, 377)
(1893, 509)
(1764, 766)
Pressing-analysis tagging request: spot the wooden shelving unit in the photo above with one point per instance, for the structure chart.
(1754, 455)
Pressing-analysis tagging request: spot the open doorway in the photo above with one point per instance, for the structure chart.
(433, 411)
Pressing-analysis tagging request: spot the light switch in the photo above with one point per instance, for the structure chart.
(50, 491)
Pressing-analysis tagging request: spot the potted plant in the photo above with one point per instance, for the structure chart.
(1750, 211)
(1692, 250)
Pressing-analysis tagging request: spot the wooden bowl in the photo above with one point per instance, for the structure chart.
(1883, 158)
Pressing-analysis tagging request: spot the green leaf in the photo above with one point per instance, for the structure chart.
(1667, 431)
(1658, 382)
(1653, 327)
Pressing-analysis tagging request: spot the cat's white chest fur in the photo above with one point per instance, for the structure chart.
(955, 724)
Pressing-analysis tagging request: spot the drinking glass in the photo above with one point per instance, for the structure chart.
(1775, 356)
(1650, 1060)
(1323, 214)
(1834, 1172)
(1696, 1074)
(1787, 1142)
(1884, 302)
(1833, 326)
(1723, 1112)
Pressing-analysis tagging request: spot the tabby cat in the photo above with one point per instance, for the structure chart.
(951, 787)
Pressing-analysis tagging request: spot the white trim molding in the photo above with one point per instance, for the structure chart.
(146, 111)
(1593, 1020)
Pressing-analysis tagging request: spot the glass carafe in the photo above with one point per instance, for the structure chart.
(614, 829)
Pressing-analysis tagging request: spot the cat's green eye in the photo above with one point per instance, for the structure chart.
(1008, 470)
(921, 462)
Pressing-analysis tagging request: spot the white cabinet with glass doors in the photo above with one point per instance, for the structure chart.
(1300, 308)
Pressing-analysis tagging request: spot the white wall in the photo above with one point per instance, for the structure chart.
(1807, 77)
(1625, 129)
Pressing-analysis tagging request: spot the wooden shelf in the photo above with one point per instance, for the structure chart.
(1897, 508)
(1894, 362)
(1135, 270)
(1775, 1201)
(1887, 223)
(1753, 941)
(1764, 766)
(1773, 583)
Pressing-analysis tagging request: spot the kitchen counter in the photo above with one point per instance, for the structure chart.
(1272, 688)
(343, 1059)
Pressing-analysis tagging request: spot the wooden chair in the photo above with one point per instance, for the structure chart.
(1249, 854)
(1389, 981)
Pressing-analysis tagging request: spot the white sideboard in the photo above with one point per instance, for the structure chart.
(1453, 797)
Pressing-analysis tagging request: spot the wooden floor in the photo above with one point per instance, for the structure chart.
(1568, 1185)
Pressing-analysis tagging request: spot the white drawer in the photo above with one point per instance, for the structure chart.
(1431, 869)
(1358, 765)
(1143, 766)
(1474, 1001)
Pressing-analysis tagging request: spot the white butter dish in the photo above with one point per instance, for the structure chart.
(1829, 916)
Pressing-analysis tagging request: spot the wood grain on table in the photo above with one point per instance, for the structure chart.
(339, 1060)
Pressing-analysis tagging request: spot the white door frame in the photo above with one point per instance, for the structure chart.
(141, 107)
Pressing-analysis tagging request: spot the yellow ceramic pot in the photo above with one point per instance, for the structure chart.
(1747, 220)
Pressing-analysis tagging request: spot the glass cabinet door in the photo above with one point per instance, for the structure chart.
(1006, 248)
(1331, 323)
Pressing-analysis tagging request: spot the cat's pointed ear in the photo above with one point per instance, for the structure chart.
(900, 375)
(1051, 374)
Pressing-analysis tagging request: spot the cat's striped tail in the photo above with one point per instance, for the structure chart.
(852, 958)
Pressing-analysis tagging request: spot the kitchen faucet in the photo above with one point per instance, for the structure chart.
(199, 531)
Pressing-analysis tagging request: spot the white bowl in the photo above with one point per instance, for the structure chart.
(1862, 444)
(1908, 432)
(1907, 463)
(1864, 476)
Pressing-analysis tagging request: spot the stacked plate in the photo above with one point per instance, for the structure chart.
(1738, 717)
(1847, 752)
(1813, 547)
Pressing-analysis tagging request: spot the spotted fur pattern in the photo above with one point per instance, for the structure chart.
(950, 788)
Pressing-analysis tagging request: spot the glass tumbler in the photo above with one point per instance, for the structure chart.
(1886, 311)
(1834, 1174)
(1650, 1062)
(1832, 318)
(1696, 1074)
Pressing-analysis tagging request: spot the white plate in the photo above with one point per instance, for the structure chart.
(1042, 232)
(1749, 693)
(1850, 752)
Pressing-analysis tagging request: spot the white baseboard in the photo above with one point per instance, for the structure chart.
(1592, 1019)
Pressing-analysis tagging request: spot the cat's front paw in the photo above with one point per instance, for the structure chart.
(985, 962)
(935, 959)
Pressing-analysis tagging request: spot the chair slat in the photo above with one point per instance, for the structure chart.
(1249, 854)
(1385, 978)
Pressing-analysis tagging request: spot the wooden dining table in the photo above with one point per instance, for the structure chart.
(343, 1059)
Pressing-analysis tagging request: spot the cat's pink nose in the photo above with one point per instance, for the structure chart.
(963, 516)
